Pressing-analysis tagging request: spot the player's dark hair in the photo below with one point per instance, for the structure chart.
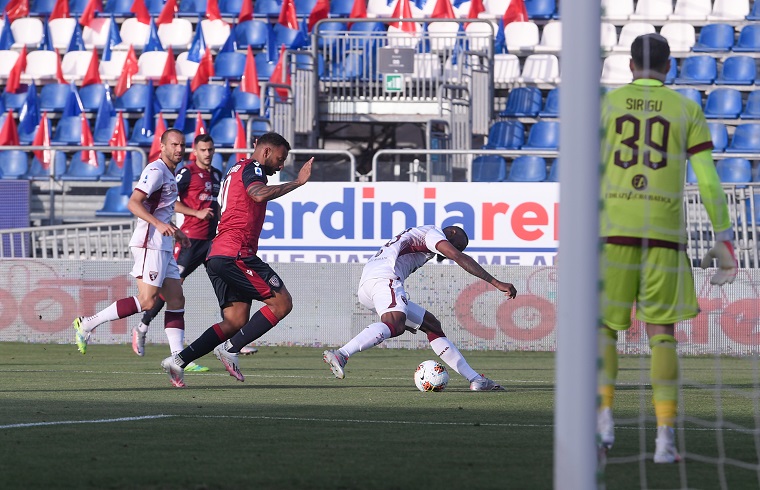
(168, 131)
(203, 138)
(650, 52)
(273, 139)
(459, 232)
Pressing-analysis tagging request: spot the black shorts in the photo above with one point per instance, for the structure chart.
(242, 280)
(190, 258)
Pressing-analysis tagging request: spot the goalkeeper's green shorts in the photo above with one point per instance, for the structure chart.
(658, 281)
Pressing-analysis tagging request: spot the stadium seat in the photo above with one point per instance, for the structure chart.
(114, 173)
(68, 131)
(652, 10)
(110, 70)
(264, 67)
(489, 168)
(714, 38)
(38, 172)
(506, 68)
(245, 103)
(737, 70)
(616, 69)
(80, 170)
(540, 69)
(443, 35)
(505, 135)
(41, 8)
(119, 8)
(631, 31)
(192, 8)
(551, 38)
(91, 96)
(27, 31)
(77, 7)
(551, 104)
(40, 65)
(96, 34)
(253, 33)
(150, 65)
(691, 10)
(680, 35)
(341, 8)
(101, 136)
(527, 168)
(229, 65)
(134, 99)
(479, 36)
(170, 96)
(14, 164)
(135, 33)
(208, 97)
(266, 8)
(523, 102)
(61, 30)
(541, 9)
(74, 64)
(224, 132)
(554, 171)
(670, 77)
(755, 12)
(723, 103)
(521, 37)
(691, 93)
(178, 34)
(746, 139)
(215, 33)
(427, 66)
(617, 10)
(729, 10)
(609, 37)
(752, 106)
(734, 170)
(259, 126)
(114, 205)
(698, 70)
(185, 67)
(230, 8)
(748, 40)
(304, 7)
(719, 135)
(543, 135)
(378, 8)
(137, 137)
(15, 101)
(53, 97)
(217, 161)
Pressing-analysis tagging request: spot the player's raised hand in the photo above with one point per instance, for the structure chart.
(305, 173)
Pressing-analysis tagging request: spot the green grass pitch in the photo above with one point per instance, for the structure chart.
(111, 420)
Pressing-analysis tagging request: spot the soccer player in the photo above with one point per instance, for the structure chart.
(197, 185)
(649, 132)
(381, 288)
(238, 275)
(155, 268)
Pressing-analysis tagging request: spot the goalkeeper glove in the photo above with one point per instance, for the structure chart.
(723, 253)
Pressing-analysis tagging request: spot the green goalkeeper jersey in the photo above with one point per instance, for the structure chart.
(648, 133)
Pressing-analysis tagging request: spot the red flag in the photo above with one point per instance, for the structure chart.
(60, 11)
(246, 11)
(358, 11)
(240, 140)
(516, 12)
(42, 138)
(127, 72)
(443, 10)
(169, 74)
(141, 13)
(167, 13)
(212, 10)
(155, 147)
(88, 156)
(320, 11)
(200, 128)
(249, 82)
(277, 75)
(476, 7)
(93, 73)
(14, 77)
(9, 131)
(205, 71)
(288, 14)
(403, 10)
(59, 70)
(15, 9)
(89, 11)
(119, 138)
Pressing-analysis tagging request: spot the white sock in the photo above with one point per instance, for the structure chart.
(371, 336)
(451, 356)
(176, 338)
(142, 327)
(89, 323)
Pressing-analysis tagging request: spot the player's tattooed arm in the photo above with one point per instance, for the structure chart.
(261, 193)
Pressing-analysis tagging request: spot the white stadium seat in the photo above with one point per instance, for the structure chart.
(680, 35)
(652, 10)
(609, 37)
(631, 31)
(521, 37)
(506, 68)
(617, 10)
(74, 65)
(97, 33)
(7, 60)
(27, 31)
(40, 65)
(61, 31)
(691, 10)
(178, 34)
(540, 69)
(729, 10)
(135, 33)
(215, 32)
(150, 65)
(551, 38)
(616, 70)
(185, 68)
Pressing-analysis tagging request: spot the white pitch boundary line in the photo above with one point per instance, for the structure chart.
(96, 421)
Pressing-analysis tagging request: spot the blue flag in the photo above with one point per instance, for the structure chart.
(114, 39)
(230, 45)
(106, 111)
(73, 105)
(154, 43)
(47, 39)
(225, 106)
(198, 46)
(302, 39)
(500, 43)
(77, 43)
(149, 120)
(29, 116)
(127, 175)
(6, 37)
(181, 120)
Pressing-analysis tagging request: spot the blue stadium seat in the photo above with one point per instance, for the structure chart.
(264, 67)
(714, 38)
(120, 8)
(14, 164)
(266, 8)
(283, 35)
(91, 96)
(746, 139)
(330, 34)
(80, 170)
(229, 65)
(305, 61)
(38, 172)
(304, 7)
(506, 135)
(551, 104)
(698, 70)
(155, 6)
(114, 173)
(224, 132)
(134, 99)
(670, 76)
(41, 8)
(245, 103)
(170, 96)
(253, 33)
(752, 106)
(737, 70)
(723, 103)
(101, 136)
(217, 161)
(523, 102)
(76, 7)
(755, 12)
(554, 171)
(734, 170)
(192, 8)
(230, 8)
(68, 131)
(53, 97)
(719, 134)
(137, 137)
(749, 38)
(208, 97)
(541, 9)
(527, 168)
(544, 135)
(15, 101)
(489, 168)
(114, 205)
(367, 27)
(341, 8)
(691, 93)
(260, 126)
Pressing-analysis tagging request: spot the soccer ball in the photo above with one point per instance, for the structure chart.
(431, 376)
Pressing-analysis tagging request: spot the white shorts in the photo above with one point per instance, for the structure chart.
(384, 295)
(153, 266)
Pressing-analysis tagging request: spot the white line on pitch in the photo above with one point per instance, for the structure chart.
(96, 421)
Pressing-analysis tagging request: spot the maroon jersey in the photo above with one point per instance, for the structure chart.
(197, 190)
(241, 217)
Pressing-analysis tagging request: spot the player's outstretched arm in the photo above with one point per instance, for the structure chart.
(261, 193)
(470, 265)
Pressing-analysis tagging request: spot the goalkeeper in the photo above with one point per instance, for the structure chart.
(648, 133)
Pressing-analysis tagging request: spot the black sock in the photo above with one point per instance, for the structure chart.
(149, 315)
(257, 326)
(201, 346)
